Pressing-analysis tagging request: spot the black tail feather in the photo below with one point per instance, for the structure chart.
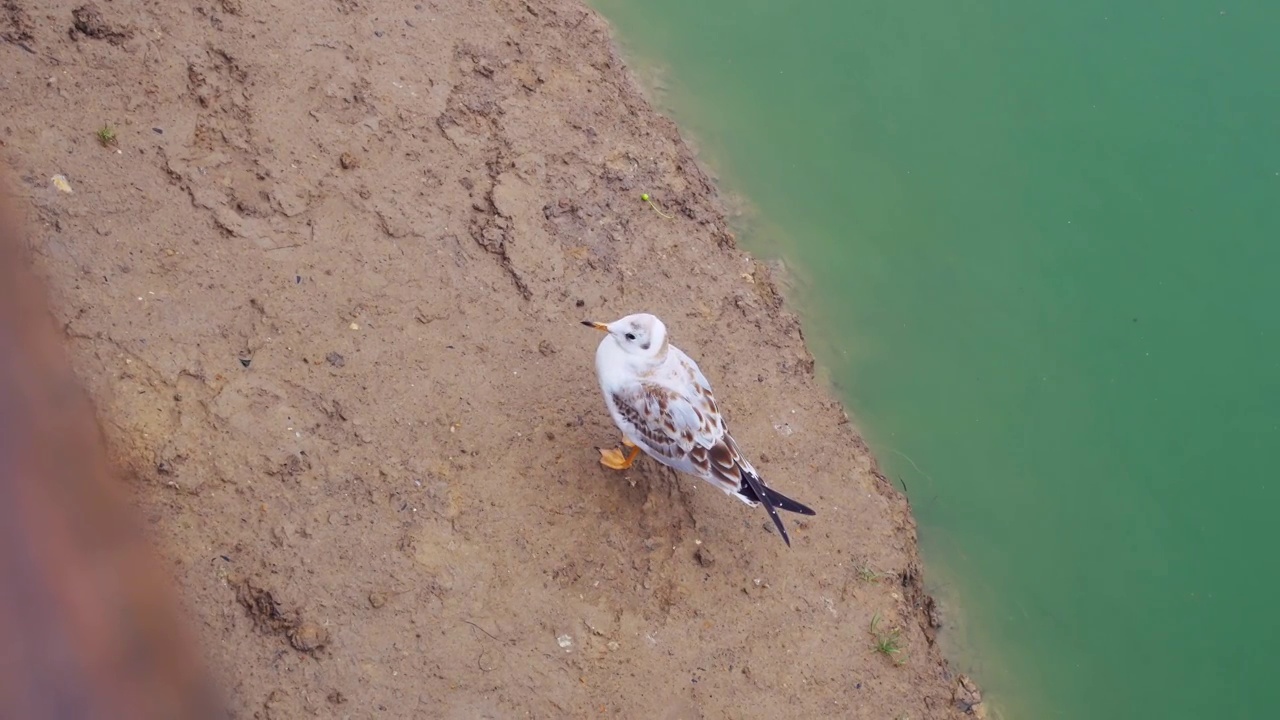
(754, 489)
(786, 503)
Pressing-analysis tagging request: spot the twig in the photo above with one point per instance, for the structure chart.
(486, 632)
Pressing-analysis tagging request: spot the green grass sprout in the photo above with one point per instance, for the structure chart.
(107, 136)
(888, 643)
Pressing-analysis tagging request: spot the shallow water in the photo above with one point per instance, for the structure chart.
(1038, 249)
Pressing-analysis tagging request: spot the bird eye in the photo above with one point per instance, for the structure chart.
(631, 336)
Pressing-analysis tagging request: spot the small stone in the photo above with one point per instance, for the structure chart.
(565, 642)
(348, 161)
(308, 637)
(704, 557)
(377, 599)
(335, 359)
(967, 697)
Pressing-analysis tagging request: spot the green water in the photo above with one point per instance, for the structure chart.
(1038, 245)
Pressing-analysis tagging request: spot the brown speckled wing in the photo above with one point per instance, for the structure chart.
(682, 430)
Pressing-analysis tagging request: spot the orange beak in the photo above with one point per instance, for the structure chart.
(599, 326)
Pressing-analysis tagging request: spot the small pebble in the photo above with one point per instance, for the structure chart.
(308, 636)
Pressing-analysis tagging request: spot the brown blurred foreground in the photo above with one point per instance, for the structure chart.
(88, 626)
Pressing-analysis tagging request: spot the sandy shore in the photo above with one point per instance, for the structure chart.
(323, 277)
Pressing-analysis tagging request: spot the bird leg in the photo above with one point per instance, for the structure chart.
(615, 460)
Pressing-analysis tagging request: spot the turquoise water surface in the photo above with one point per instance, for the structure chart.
(1038, 247)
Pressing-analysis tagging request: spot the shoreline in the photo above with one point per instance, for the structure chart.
(324, 288)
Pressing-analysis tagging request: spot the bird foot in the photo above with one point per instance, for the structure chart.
(615, 460)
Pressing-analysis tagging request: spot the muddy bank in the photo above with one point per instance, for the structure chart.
(322, 267)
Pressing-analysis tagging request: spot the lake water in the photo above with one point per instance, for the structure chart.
(1037, 246)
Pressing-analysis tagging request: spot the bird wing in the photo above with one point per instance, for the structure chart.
(677, 419)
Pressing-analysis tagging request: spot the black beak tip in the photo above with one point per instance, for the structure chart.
(588, 323)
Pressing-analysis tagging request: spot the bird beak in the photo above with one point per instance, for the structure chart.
(599, 326)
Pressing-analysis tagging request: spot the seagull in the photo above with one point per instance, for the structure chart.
(663, 405)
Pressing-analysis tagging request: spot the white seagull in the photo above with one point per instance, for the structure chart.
(663, 405)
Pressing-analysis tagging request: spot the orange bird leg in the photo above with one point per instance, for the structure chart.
(615, 460)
